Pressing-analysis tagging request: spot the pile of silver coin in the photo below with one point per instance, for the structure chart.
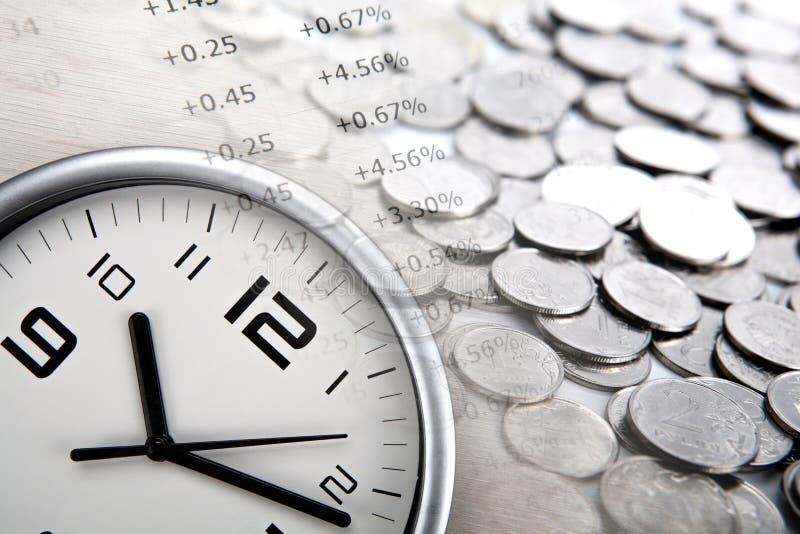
(627, 219)
(608, 254)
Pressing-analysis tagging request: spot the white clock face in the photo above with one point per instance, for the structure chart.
(253, 338)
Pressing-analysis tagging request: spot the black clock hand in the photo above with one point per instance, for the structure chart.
(265, 489)
(144, 355)
(106, 453)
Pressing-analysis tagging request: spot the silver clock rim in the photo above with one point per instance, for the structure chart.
(34, 191)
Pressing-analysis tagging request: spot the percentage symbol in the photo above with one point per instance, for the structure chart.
(414, 106)
(396, 60)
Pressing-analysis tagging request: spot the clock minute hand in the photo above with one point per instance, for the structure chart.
(262, 488)
(125, 451)
(144, 356)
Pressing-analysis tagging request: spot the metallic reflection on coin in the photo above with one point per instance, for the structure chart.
(666, 149)
(783, 398)
(515, 26)
(692, 354)
(670, 94)
(447, 106)
(563, 228)
(721, 287)
(765, 331)
(484, 233)
(601, 16)
(508, 363)
(780, 122)
(688, 227)
(653, 296)
(506, 153)
(615, 192)
(543, 284)
(617, 416)
(693, 425)
(769, 192)
(433, 189)
(757, 513)
(773, 443)
(561, 436)
(776, 255)
(595, 334)
(607, 103)
(604, 376)
(641, 495)
(739, 367)
(714, 66)
(723, 118)
(780, 80)
(757, 35)
(606, 56)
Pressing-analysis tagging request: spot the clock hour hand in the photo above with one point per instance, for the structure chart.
(265, 489)
(125, 451)
(144, 356)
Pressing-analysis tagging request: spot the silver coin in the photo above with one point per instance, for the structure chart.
(641, 495)
(669, 93)
(773, 443)
(577, 141)
(595, 334)
(543, 284)
(658, 23)
(757, 513)
(757, 35)
(563, 228)
(766, 331)
(561, 436)
(748, 151)
(783, 398)
(695, 185)
(508, 363)
(448, 188)
(653, 296)
(617, 416)
(484, 233)
(780, 80)
(721, 287)
(693, 425)
(515, 27)
(519, 94)
(715, 66)
(471, 284)
(615, 56)
(789, 487)
(780, 122)
(507, 154)
(601, 16)
(692, 354)
(688, 227)
(606, 377)
(724, 118)
(762, 191)
(776, 255)
(615, 192)
(622, 248)
(712, 11)
(739, 367)
(607, 103)
(447, 106)
(421, 263)
(666, 149)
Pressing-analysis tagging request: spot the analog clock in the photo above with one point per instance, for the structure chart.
(204, 346)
